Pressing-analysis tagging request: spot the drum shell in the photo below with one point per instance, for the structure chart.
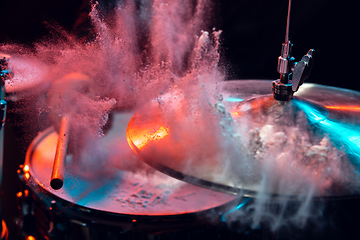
(80, 223)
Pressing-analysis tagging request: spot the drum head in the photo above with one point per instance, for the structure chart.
(106, 187)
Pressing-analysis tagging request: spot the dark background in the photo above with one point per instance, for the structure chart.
(253, 31)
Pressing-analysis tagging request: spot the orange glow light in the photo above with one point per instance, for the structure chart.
(141, 141)
(30, 238)
(27, 175)
(344, 108)
(26, 168)
(19, 194)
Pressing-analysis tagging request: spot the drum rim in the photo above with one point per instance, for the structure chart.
(91, 215)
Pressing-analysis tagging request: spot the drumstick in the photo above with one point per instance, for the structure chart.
(57, 175)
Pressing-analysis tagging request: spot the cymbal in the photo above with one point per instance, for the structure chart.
(248, 143)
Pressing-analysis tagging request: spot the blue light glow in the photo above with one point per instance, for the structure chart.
(242, 204)
(233, 99)
(344, 136)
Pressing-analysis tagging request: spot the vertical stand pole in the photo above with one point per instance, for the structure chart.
(5, 74)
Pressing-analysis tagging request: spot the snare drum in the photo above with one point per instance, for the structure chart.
(106, 199)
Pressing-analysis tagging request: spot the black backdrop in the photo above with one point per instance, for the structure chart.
(253, 31)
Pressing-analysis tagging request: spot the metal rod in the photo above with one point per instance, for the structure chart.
(5, 74)
(288, 23)
(57, 175)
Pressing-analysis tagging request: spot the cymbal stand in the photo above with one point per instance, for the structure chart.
(5, 73)
(292, 74)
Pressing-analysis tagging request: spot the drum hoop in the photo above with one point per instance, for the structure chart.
(94, 216)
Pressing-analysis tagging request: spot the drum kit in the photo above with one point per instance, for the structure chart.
(157, 173)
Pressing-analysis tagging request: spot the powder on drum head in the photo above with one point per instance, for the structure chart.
(159, 193)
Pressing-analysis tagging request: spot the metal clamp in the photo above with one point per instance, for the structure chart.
(5, 72)
(292, 75)
(3, 107)
(302, 70)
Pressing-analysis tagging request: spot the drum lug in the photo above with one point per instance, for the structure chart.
(57, 228)
(35, 222)
(134, 225)
(27, 219)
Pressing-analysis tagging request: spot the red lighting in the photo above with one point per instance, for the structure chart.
(26, 168)
(27, 175)
(344, 108)
(143, 139)
(141, 136)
